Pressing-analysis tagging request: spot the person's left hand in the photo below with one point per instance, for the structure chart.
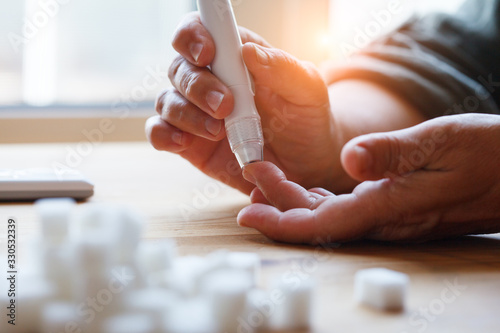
(435, 180)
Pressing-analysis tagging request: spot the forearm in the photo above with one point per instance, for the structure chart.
(361, 107)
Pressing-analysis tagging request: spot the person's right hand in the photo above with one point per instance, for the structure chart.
(292, 99)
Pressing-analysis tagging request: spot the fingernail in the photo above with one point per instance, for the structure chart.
(262, 56)
(248, 176)
(195, 50)
(213, 126)
(214, 100)
(177, 138)
(364, 158)
(240, 220)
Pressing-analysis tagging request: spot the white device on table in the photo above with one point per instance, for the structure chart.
(32, 184)
(243, 127)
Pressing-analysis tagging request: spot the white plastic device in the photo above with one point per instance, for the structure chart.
(32, 184)
(243, 127)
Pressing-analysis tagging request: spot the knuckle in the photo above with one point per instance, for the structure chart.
(160, 100)
(190, 83)
(174, 68)
(393, 152)
(152, 128)
(176, 109)
(175, 113)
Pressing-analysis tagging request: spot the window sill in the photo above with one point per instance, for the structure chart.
(70, 124)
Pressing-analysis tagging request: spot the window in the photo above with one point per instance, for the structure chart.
(81, 53)
(86, 52)
(354, 23)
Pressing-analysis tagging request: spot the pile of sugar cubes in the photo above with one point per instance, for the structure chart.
(91, 272)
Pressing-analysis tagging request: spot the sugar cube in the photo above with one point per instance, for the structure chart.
(381, 288)
(226, 290)
(54, 217)
(293, 311)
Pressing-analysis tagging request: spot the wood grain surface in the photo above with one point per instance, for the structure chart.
(455, 284)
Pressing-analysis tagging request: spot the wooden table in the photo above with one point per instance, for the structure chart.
(200, 214)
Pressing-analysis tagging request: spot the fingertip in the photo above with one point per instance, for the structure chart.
(241, 218)
(258, 216)
(165, 137)
(248, 175)
(193, 41)
(357, 161)
(226, 106)
(255, 55)
(253, 170)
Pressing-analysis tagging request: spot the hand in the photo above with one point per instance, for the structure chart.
(291, 97)
(434, 180)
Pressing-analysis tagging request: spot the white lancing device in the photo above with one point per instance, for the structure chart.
(243, 127)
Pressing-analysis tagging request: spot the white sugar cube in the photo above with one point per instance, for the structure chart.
(58, 267)
(156, 256)
(152, 301)
(381, 288)
(32, 293)
(93, 255)
(54, 217)
(59, 317)
(130, 323)
(128, 234)
(247, 261)
(259, 306)
(186, 273)
(226, 290)
(293, 308)
(192, 315)
(120, 225)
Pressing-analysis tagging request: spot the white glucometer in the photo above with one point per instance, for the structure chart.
(32, 184)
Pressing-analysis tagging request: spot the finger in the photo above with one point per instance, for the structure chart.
(383, 155)
(280, 192)
(164, 136)
(298, 82)
(185, 116)
(248, 36)
(258, 197)
(202, 88)
(321, 191)
(337, 219)
(292, 226)
(193, 41)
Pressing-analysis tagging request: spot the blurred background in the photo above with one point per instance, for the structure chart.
(89, 58)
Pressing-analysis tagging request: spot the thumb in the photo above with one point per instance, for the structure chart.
(297, 81)
(385, 155)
